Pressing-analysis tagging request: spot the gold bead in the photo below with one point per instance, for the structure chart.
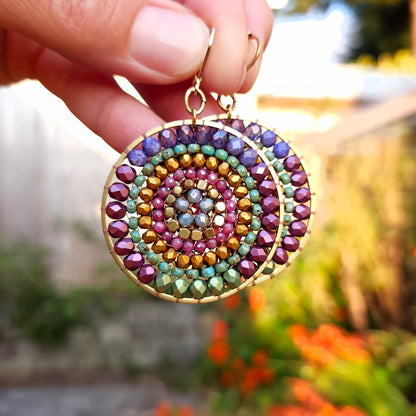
(153, 182)
(149, 236)
(196, 235)
(209, 233)
(169, 212)
(202, 185)
(161, 171)
(185, 161)
(172, 164)
(213, 193)
(173, 226)
(170, 199)
(159, 246)
(233, 243)
(177, 190)
(188, 184)
(241, 230)
(219, 220)
(220, 207)
(170, 255)
(234, 180)
(212, 163)
(146, 194)
(240, 191)
(145, 222)
(144, 208)
(244, 204)
(183, 261)
(223, 169)
(197, 261)
(184, 233)
(210, 258)
(222, 252)
(245, 217)
(199, 160)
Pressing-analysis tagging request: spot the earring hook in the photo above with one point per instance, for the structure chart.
(258, 50)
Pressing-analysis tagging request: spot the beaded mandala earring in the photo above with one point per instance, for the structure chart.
(195, 210)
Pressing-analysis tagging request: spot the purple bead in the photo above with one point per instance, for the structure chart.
(167, 236)
(158, 215)
(247, 268)
(281, 150)
(133, 261)
(115, 210)
(259, 172)
(231, 217)
(219, 139)
(291, 163)
(146, 274)
(212, 178)
(270, 204)
(266, 238)
(270, 221)
(158, 202)
(151, 146)
(253, 131)
(280, 256)
(159, 227)
(257, 254)
(267, 187)
(203, 135)
(118, 229)
(299, 178)
(185, 134)
(118, 191)
(302, 212)
(167, 138)
(169, 182)
(221, 185)
(235, 146)
(137, 157)
(290, 243)
(297, 228)
(238, 125)
(123, 246)
(202, 173)
(179, 175)
(248, 158)
(228, 228)
(227, 194)
(268, 138)
(231, 205)
(190, 173)
(221, 237)
(126, 173)
(200, 246)
(177, 243)
(211, 243)
(163, 192)
(188, 246)
(302, 195)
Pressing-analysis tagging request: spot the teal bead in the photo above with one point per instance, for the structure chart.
(249, 181)
(143, 248)
(221, 154)
(254, 195)
(179, 149)
(233, 260)
(278, 165)
(208, 272)
(244, 249)
(241, 170)
(179, 287)
(134, 192)
(289, 192)
(156, 159)
(164, 267)
(198, 288)
(163, 283)
(287, 219)
(133, 223)
(269, 154)
(207, 149)
(140, 180)
(221, 267)
(285, 178)
(148, 169)
(192, 274)
(269, 268)
(233, 278)
(284, 232)
(153, 258)
(233, 161)
(289, 206)
(250, 238)
(257, 209)
(177, 272)
(135, 236)
(216, 285)
(255, 224)
(194, 148)
(131, 206)
(167, 153)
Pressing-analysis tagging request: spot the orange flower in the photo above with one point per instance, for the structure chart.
(250, 382)
(232, 302)
(289, 411)
(186, 411)
(218, 352)
(350, 411)
(260, 358)
(163, 409)
(304, 393)
(219, 330)
(227, 379)
(256, 300)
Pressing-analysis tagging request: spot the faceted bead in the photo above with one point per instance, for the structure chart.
(267, 187)
(280, 256)
(200, 246)
(199, 160)
(290, 243)
(201, 220)
(149, 237)
(299, 178)
(235, 146)
(185, 161)
(202, 135)
(137, 157)
(184, 233)
(153, 182)
(302, 212)
(237, 124)
(210, 258)
(216, 285)
(206, 205)
(253, 131)
(146, 194)
(247, 268)
(245, 217)
(302, 195)
(116, 210)
(297, 228)
(123, 246)
(188, 246)
(233, 243)
(126, 173)
(219, 139)
(240, 191)
(198, 288)
(212, 163)
(270, 221)
(202, 173)
(186, 220)
(270, 204)
(266, 238)
(281, 150)
(223, 169)
(260, 171)
(183, 261)
(177, 191)
(173, 225)
(144, 208)
(159, 247)
(145, 222)
(257, 254)
(133, 261)
(163, 282)
(234, 180)
(248, 158)
(197, 235)
(222, 252)
(146, 273)
(118, 229)
(268, 138)
(194, 196)
(233, 277)
(197, 261)
(179, 287)
(209, 233)
(244, 204)
(185, 134)
(161, 172)
(172, 165)
(177, 243)
(150, 146)
(181, 204)
(241, 230)
(292, 163)
(170, 255)
(167, 138)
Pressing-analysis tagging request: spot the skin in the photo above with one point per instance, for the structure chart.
(74, 47)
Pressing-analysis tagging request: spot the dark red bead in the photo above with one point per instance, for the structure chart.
(123, 246)
(126, 173)
(270, 221)
(292, 163)
(257, 254)
(265, 238)
(133, 261)
(146, 274)
(290, 243)
(299, 178)
(119, 191)
(297, 228)
(267, 187)
(280, 256)
(302, 195)
(118, 229)
(270, 204)
(302, 212)
(115, 210)
(246, 267)
(260, 171)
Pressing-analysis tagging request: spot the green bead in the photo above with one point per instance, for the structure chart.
(221, 267)
(221, 154)
(249, 181)
(284, 232)
(257, 209)
(207, 150)
(153, 258)
(179, 287)
(241, 170)
(233, 161)
(244, 249)
(233, 278)
(289, 206)
(278, 165)
(133, 223)
(250, 238)
(198, 288)
(148, 169)
(163, 283)
(156, 159)
(131, 206)
(289, 192)
(134, 192)
(269, 154)
(269, 268)
(164, 267)
(233, 260)
(287, 219)
(285, 178)
(135, 236)
(167, 153)
(194, 148)
(177, 272)
(255, 224)
(140, 179)
(192, 274)
(208, 272)
(216, 285)
(179, 149)
(143, 248)
(254, 195)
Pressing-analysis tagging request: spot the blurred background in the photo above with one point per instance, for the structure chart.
(333, 335)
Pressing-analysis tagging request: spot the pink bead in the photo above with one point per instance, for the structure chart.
(231, 217)
(211, 243)
(200, 246)
(159, 227)
(221, 237)
(221, 185)
(188, 246)
(212, 178)
(227, 194)
(190, 173)
(158, 202)
(228, 228)
(167, 236)
(202, 173)
(163, 192)
(158, 215)
(231, 205)
(170, 182)
(177, 243)
(179, 175)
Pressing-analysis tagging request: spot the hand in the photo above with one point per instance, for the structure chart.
(74, 47)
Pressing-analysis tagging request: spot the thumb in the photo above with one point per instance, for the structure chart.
(151, 41)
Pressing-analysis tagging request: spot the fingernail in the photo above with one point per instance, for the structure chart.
(168, 41)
